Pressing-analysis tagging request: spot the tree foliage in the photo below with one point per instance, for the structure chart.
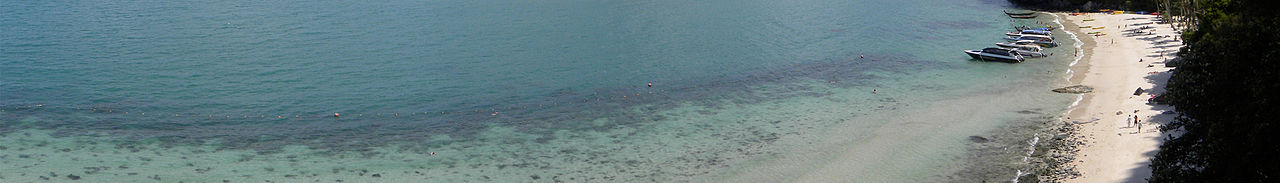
(1227, 91)
(1089, 5)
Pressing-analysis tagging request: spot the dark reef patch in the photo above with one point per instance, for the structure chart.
(566, 109)
(1037, 140)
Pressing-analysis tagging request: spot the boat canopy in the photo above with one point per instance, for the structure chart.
(998, 51)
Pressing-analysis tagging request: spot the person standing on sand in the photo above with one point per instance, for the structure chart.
(1128, 121)
(1135, 119)
(1139, 126)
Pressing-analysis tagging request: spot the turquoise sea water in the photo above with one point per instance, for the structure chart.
(516, 91)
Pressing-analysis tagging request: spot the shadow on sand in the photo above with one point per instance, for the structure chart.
(1165, 115)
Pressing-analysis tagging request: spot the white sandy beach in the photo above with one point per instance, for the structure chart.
(1115, 65)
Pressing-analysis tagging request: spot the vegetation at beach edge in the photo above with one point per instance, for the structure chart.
(1087, 5)
(1226, 92)
(1225, 88)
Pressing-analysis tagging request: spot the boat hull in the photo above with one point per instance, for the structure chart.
(1030, 53)
(977, 54)
(1047, 44)
(1022, 16)
(1023, 13)
(1024, 50)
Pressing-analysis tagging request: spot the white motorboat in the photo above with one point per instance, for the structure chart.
(1030, 32)
(1033, 40)
(1029, 46)
(1018, 43)
(995, 54)
(1029, 37)
(1027, 50)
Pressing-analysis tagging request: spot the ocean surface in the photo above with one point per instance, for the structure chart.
(519, 91)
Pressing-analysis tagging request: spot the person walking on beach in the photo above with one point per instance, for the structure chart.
(1128, 122)
(1139, 126)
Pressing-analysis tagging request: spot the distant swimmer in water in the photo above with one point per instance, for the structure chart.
(862, 56)
(873, 91)
(650, 85)
(335, 114)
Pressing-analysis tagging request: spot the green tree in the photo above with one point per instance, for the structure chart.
(1226, 92)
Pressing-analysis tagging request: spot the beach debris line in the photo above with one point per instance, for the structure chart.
(1077, 89)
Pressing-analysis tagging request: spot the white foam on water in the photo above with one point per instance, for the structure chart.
(1020, 173)
(1031, 145)
(1072, 107)
(1069, 73)
(1079, 53)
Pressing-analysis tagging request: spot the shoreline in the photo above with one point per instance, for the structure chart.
(1100, 143)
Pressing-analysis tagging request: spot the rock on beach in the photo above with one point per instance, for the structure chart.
(1077, 89)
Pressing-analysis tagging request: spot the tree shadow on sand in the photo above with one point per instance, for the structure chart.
(1165, 115)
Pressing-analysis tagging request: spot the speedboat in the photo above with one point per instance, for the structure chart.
(1026, 50)
(1018, 43)
(1022, 16)
(995, 54)
(1030, 32)
(1029, 37)
(1048, 44)
(1039, 40)
(1045, 28)
(1022, 13)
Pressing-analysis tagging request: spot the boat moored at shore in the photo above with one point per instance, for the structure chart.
(1030, 32)
(1019, 13)
(1022, 16)
(1044, 41)
(1025, 50)
(1029, 37)
(1046, 28)
(995, 54)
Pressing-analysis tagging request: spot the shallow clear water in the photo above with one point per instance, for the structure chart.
(513, 91)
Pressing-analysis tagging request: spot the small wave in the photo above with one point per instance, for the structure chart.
(1075, 103)
(1019, 174)
(1079, 52)
(1069, 73)
(1032, 146)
